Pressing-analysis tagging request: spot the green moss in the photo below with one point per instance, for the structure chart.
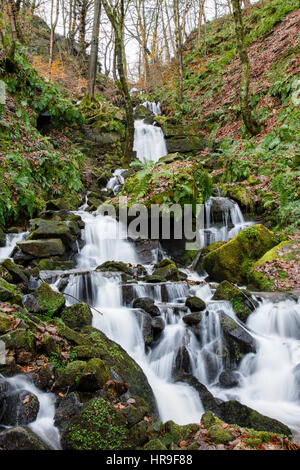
(19, 339)
(208, 419)
(155, 444)
(9, 292)
(98, 427)
(5, 323)
(219, 435)
(51, 302)
(77, 316)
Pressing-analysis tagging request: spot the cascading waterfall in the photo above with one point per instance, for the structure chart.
(149, 141)
(116, 182)
(11, 241)
(153, 107)
(223, 220)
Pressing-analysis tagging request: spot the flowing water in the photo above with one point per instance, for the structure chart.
(149, 141)
(11, 240)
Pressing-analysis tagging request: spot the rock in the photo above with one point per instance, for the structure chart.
(44, 377)
(53, 264)
(67, 231)
(9, 367)
(22, 342)
(128, 293)
(228, 379)
(147, 304)
(219, 435)
(141, 112)
(77, 316)
(66, 408)
(114, 266)
(20, 407)
(16, 271)
(233, 260)
(155, 444)
(21, 438)
(233, 412)
(208, 401)
(98, 426)
(158, 324)
(49, 345)
(164, 271)
(31, 303)
(145, 248)
(136, 411)
(192, 319)
(9, 293)
(182, 361)
(238, 341)
(195, 304)
(185, 144)
(145, 322)
(82, 376)
(208, 419)
(2, 238)
(42, 248)
(5, 323)
(241, 305)
(51, 303)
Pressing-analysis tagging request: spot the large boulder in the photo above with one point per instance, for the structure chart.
(17, 272)
(77, 316)
(238, 341)
(50, 302)
(195, 304)
(99, 426)
(145, 322)
(117, 267)
(21, 438)
(147, 304)
(83, 376)
(22, 343)
(165, 271)
(66, 408)
(19, 407)
(233, 260)
(233, 412)
(42, 248)
(240, 301)
(209, 402)
(67, 231)
(9, 293)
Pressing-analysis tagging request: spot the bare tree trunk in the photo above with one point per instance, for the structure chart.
(250, 123)
(52, 31)
(94, 50)
(201, 11)
(179, 51)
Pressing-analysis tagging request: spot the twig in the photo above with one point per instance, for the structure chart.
(75, 298)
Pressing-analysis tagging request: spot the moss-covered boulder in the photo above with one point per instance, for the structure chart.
(21, 342)
(208, 419)
(9, 293)
(234, 412)
(116, 267)
(51, 302)
(83, 376)
(148, 305)
(99, 426)
(165, 271)
(219, 435)
(155, 444)
(53, 264)
(77, 316)
(21, 438)
(239, 301)
(16, 271)
(5, 323)
(195, 304)
(67, 231)
(42, 248)
(192, 319)
(234, 260)
(277, 269)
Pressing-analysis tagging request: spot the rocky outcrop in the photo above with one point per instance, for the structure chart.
(21, 438)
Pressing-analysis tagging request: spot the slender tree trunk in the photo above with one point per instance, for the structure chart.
(94, 50)
(199, 36)
(250, 123)
(168, 54)
(52, 31)
(179, 51)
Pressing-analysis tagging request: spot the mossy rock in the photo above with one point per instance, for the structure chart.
(51, 229)
(115, 266)
(51, 303)
(199, 257)
(49, 346)
(155, 444)
(234, 412)
(16, 271)
(5, 323)
(164, 271)
(21, 438)
(208, 419)
(53, 264)
(84, 376)
(42, 248)
(219, 435)
(99, 426)
(285, 251)
(9, 293)
(195, 304)
(77, 316)
(234, 260)
(87, 352)
(227, 291)
(19, 339)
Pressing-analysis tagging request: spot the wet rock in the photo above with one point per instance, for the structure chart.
(242, 304)
(145, 322)
(231, 261)
(195, 304)
(98, 426)
(67, 231)
(53, 264)
(297, 380)
(182, 361)
(147, 304)
(42, 248)
(82, 376)
(16, 271)
(21, 438)
(51, 302)
(158, 324)
(233, 412)
(114, 266)
(192, 319)
(208, 401)
(9, 293)
(228, 379)
(44, 377)
(5, 323)
(77, 316)
(128, 294)
(20, 407)
(66, 408)
(31, 303)
(237, 340)
(164, 271)
(21, 341)
(145, 250)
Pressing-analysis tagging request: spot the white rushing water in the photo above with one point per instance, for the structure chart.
(11, 240)
(116, 182)
(153, 107)
(223, 220)
(149, 141)
(43, 426)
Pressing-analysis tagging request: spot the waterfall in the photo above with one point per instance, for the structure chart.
(116, 182)
(223, 220)
(11, 241)
(43, 426)
(153, 107)
(149, 141)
